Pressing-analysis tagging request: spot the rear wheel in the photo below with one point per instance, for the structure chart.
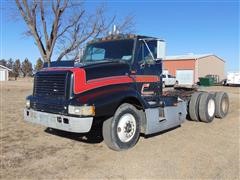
(193, 106)
(222, 104)
(122, 130)
(207, 107)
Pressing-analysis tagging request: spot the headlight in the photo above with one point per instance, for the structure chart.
(81, 110)
(27, 103)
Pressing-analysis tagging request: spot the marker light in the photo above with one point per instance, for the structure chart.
(27, 103)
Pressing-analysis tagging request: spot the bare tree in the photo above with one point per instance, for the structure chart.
(63, 26)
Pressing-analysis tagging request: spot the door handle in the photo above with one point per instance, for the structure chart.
(133, 72)
(142, 65)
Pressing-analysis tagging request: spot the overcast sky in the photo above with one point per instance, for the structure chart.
(188, 27)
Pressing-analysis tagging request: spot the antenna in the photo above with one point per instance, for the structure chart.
(114, 30)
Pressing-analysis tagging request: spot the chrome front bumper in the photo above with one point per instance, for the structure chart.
(56, 121)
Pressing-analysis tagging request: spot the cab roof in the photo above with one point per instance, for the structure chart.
(121, 37)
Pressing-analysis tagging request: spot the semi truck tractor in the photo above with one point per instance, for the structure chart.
(118, 85)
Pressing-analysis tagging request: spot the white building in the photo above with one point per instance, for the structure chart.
(4, 73)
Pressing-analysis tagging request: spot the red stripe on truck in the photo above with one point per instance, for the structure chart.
(81, 85)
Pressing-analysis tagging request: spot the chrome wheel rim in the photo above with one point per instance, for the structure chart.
(126, 127)
(224, 105)
(211, 107)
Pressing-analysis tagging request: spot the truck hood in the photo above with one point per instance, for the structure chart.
(105, 69)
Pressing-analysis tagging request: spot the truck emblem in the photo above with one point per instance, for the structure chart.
(144, 88)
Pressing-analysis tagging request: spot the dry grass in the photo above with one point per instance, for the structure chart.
(195, 150)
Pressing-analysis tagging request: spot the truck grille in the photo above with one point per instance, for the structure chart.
(48, 107)
(50, 84)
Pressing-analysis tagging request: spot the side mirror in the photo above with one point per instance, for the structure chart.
(161, 49)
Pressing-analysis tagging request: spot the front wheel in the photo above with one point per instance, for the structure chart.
(122, 131)
(176, 83)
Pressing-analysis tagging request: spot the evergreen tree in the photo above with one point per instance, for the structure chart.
(39, 65)
(10, 66)
(27, 68)
(9, 63)
(3, 62)
(16, 68)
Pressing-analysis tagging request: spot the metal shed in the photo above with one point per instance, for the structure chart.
(188, 68)
(4, 73)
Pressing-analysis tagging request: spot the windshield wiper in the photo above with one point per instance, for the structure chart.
(103, 60)
(115, 60)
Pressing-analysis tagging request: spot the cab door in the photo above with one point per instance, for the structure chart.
(147, 70)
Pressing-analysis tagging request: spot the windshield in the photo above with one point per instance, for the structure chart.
(111, 50)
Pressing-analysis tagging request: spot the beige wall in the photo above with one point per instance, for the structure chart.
(210, 65)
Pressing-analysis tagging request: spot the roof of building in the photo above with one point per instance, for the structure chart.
(191, 56)
(188, 56)
(4, 67)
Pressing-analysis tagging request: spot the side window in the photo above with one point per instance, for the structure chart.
(153, 48)
(171, 76)
(163, 76)
(140, 53)
(144, 54)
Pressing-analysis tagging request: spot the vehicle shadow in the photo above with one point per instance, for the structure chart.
(188, 118)
(160, 133)
(94, 136)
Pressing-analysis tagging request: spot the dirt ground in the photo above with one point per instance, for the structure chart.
(194, 150)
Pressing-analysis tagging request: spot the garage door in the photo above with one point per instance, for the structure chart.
(184, 77)
(2, 75)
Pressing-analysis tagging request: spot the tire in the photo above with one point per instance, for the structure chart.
(194, 106)
(163, 85)
(222, 104)
(207, 107)
(122, 131)
(224, 83)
